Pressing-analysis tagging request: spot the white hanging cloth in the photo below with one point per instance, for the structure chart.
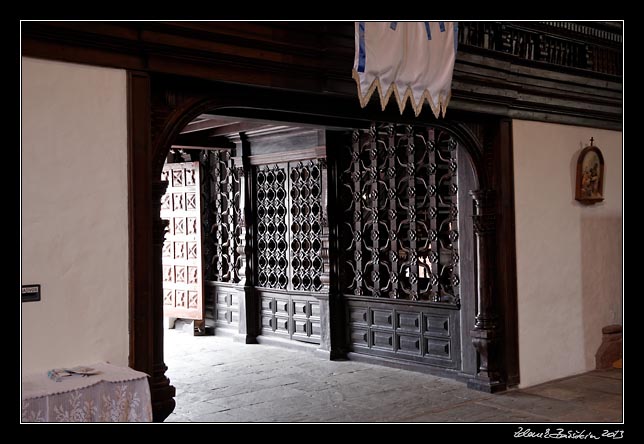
(411, 60)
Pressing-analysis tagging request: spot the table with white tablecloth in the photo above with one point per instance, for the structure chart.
(113, 394)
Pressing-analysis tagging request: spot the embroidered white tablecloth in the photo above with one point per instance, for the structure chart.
(114, 394)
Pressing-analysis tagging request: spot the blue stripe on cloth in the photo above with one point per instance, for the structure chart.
(393, 25)
(455, 36)
(429, 31)
(361, 50)
(442, 26)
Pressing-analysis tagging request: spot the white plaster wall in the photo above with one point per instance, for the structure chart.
(74, 237)
(569, 255)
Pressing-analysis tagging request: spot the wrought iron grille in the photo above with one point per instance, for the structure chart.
(290, 213)
(272, 244)
(306, 227)
(224, 216)
(399, 193)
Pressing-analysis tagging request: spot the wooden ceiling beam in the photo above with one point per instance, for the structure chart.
(215, 126)
(202, 139)
(201, 148)
(206, 124)
(238, 127)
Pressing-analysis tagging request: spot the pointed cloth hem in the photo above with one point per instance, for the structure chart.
(438, 106)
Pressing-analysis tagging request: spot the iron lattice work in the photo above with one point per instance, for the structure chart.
(224, 216)
(291, 225)
(399, 192)
(306, 225)
(272, 262)
(204, 178)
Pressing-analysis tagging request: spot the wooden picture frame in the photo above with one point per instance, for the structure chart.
(589, 187)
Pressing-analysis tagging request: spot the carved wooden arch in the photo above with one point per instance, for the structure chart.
(473, 147)
(172, 125)
(193, 107)
(156, 117)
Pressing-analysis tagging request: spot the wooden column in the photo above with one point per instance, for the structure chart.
(486, 332)
(161, 391)
(336, 323)
(324, 294)
(241, 265)
(248, 303)
(146, 233)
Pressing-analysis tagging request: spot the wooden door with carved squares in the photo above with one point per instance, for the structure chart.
(182, 266)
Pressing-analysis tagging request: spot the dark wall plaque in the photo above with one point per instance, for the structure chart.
(30, 293)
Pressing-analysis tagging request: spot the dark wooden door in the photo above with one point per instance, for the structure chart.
(182, 266)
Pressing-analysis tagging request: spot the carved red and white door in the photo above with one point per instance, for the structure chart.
(182, 268)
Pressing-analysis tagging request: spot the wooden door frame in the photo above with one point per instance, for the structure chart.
(159, 107)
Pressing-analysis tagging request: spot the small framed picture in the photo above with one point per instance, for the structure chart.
(590, 175)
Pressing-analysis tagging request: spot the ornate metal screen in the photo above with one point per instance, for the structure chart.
(272, 242)
(400, 231)
(306, 227)
(290, 219)
(224, 217)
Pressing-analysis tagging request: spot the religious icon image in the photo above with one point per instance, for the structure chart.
(590, 175)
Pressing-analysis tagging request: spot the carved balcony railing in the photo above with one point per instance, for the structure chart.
(591, 46)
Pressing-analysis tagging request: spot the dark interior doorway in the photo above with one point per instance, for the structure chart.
(355, 242)
(491, 364)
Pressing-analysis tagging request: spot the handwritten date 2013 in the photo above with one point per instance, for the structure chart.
(568, 434)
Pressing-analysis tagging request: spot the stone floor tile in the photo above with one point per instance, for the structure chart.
(218, 380)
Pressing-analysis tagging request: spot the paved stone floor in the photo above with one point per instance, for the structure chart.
(218, 380)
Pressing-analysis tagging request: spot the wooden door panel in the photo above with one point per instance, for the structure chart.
(182, 267)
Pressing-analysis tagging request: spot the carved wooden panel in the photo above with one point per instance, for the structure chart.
(400, 233)
(181, 251)
(420, 333)
(290, 316)
(226, 306)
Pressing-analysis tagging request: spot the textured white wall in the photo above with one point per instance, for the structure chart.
(74, 214)
(569, 255)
